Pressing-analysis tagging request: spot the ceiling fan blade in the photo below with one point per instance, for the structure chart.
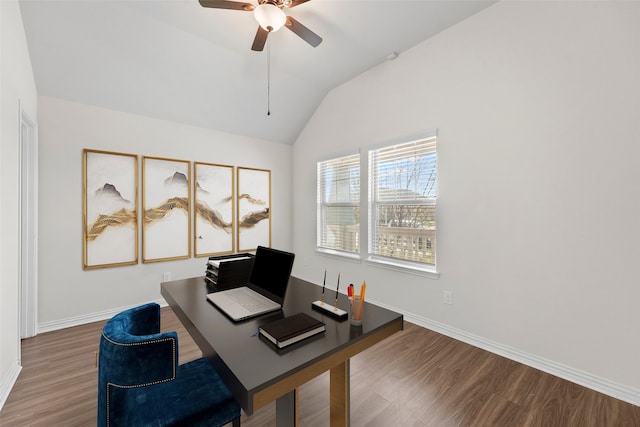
(295, 3)
(303, 32)
(260, 39)
(224, 4)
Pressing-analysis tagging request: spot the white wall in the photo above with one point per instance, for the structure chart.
(17, 86)
(537, 106)
(67, 293)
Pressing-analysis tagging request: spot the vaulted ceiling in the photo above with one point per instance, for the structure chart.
(175, 60)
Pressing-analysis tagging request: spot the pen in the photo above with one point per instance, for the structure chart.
(335, 305)
(323, 283)
(363, 290)
(350, 294)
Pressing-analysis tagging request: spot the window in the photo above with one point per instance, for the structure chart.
(398, 228)
(402, 202)
(338, 222)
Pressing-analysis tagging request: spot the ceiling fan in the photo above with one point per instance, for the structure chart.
(271, 17)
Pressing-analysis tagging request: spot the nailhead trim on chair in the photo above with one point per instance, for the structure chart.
(141, 385)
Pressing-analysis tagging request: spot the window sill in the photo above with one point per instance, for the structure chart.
(382, 263)
(404, 267)
(345, 256)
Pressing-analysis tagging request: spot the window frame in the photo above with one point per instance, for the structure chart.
(415, 267)
(323, 204)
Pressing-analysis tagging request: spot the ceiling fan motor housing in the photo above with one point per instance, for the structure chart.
(278, 3)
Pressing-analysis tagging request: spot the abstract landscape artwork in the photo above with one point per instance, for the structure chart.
(254, 208)
(213, 193)
(166, 230)
(110, 216)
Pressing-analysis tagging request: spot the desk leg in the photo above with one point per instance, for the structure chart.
(339, 397)
(287, 410)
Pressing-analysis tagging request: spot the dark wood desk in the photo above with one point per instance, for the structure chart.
(257, 373)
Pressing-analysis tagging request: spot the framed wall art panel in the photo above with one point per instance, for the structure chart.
(166, 202)
(214, 209)
(110, 213)
(254, 208)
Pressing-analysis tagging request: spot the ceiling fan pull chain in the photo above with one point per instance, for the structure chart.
(268, 77)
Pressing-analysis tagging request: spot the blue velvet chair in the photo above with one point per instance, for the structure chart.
(141, 384)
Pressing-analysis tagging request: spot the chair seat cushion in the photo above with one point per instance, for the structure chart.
(196, 397)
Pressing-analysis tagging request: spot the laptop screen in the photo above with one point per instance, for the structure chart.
(270, 273)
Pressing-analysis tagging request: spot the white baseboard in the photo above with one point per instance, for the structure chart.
(8, 382)
(576, 376)
(88, 318)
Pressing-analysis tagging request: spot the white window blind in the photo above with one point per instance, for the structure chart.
(402, 202)
(338, 222)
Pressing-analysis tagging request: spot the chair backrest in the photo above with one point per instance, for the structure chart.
(133, 353)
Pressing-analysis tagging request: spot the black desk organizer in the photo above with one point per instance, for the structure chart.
(229, 274)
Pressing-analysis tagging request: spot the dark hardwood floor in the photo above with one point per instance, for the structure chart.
(415, 378)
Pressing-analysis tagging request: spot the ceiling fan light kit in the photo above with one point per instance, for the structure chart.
(270, 17)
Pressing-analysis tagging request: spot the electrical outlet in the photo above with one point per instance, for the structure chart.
(166, 277)
(447, 297)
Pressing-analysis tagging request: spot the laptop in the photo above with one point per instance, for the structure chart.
(265, 291)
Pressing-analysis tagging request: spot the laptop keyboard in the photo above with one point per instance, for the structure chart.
(249, 301)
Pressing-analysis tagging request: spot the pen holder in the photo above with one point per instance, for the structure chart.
(355, 310)
(329, 309)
